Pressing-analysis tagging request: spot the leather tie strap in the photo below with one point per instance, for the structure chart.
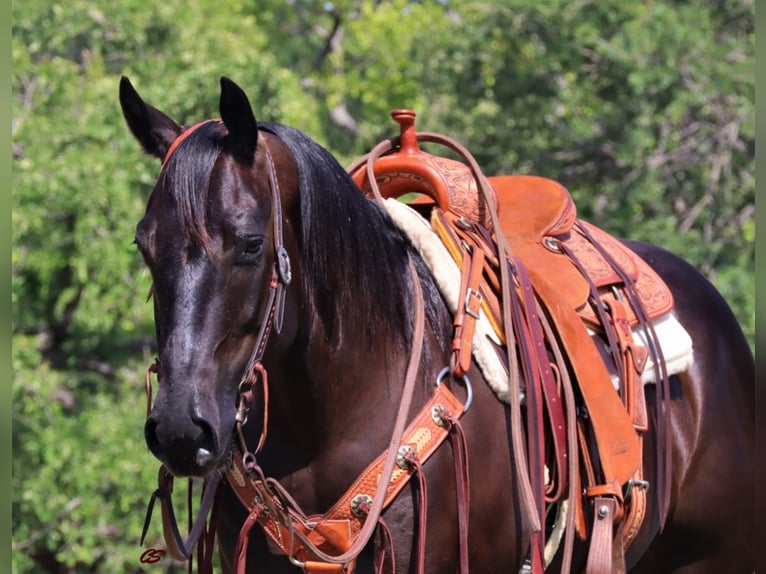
(467, 312)
(600, 553)
(176, 546)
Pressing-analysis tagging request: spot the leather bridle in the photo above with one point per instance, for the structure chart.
(273, 317)
(274, 314)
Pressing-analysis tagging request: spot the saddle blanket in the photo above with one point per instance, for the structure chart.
(674, 340)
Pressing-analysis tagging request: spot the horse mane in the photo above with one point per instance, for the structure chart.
(185, 179)
(353, 257)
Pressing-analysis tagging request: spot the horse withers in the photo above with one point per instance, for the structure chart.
(297, 326)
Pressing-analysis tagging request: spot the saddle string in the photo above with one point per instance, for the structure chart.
(526, 494)
(462, 486)
(414, 463)
(572, 444)
(664, 458)
(386, 543)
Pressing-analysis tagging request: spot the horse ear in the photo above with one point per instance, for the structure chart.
(154, 130)
(237, 116)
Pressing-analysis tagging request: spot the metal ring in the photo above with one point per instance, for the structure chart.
(241, 417)
(469, 391)
(247, 458)
(552, 243)
(283, 266)
(466, 381)
(441, 375)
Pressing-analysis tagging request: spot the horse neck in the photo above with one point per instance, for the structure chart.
(326, 392)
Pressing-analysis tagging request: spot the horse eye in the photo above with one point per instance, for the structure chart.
(139, 246)
(253, 247)
(249, 251)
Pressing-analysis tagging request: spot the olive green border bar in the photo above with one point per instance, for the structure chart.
(6, 373)
(760, 281)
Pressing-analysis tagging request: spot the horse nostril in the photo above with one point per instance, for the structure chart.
(150, 435)
(206, 442)
(187, 445)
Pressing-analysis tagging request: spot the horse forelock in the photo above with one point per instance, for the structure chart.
(185, 178)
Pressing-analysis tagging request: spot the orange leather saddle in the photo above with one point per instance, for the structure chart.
(576, 270)
(536, 214)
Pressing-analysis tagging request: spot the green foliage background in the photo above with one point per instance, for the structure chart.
(644, 110)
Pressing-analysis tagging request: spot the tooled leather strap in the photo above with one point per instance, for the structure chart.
(424, 435)
(635, 501)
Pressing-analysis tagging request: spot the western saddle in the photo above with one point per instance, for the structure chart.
(564, 315)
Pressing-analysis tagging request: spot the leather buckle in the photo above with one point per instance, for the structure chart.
(476, 296)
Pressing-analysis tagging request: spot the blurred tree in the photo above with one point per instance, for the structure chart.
(643, 110)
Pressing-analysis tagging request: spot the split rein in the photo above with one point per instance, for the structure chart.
(317, 543)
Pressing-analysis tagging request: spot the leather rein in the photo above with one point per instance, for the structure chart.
(331, 542)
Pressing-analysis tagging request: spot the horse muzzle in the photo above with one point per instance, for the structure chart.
(187, 444)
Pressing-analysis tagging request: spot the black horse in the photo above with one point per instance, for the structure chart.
(235, 199)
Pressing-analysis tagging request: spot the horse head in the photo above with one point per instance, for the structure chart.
(215, 236)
